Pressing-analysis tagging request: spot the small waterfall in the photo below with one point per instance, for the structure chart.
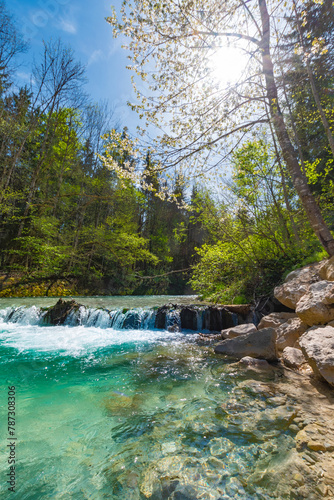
(199, 318)
(118, 319)
(235, 319)
(22, 315)
(173, 320)
(137, 319)
(169, 317)
(99, 318)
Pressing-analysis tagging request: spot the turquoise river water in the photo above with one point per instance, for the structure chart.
(104, 411)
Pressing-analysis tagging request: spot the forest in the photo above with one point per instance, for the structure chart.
(75, 221)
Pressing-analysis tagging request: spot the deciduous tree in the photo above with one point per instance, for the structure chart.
(170, 47)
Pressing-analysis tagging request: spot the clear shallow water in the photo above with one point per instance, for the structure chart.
(110, 302)
(138, 413)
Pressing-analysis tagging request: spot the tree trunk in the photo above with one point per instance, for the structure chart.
(293, 125)
(298, 178)
(285, 191)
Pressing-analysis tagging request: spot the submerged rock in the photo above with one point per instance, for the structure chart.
(58, 314)
(220, 446)
(254, 362)
(259, 344)
(185, 492)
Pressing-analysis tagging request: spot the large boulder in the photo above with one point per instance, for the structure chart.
(326, 269)
(289, 332)
(259, 344)
(317, 345)
(274, 320)
(316, 307)
(293, 358)
(296, 284)
(236, 331)
(229, 333)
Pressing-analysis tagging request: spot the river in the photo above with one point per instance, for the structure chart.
(107, 411)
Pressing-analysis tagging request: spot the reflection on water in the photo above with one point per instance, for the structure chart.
(145, 414)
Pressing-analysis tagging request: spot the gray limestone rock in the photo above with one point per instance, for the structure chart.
(259, 344)
(236, 331)
(316, 307)
(293, 358)
(289, 332)
(317, 345)
(326, 270)
(274, 320)
(296, 284)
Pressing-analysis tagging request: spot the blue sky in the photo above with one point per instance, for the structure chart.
(80, 24)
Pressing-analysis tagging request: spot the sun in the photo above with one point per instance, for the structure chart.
(228, 65)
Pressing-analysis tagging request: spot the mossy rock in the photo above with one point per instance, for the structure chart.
(58, 313)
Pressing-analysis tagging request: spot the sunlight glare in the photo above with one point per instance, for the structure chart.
(228, 65)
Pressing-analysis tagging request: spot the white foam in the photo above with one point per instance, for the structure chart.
(89, 317)
(75, 340)
(23, 315)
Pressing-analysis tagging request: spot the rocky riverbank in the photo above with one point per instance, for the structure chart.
(301, 343)
(302, 340)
